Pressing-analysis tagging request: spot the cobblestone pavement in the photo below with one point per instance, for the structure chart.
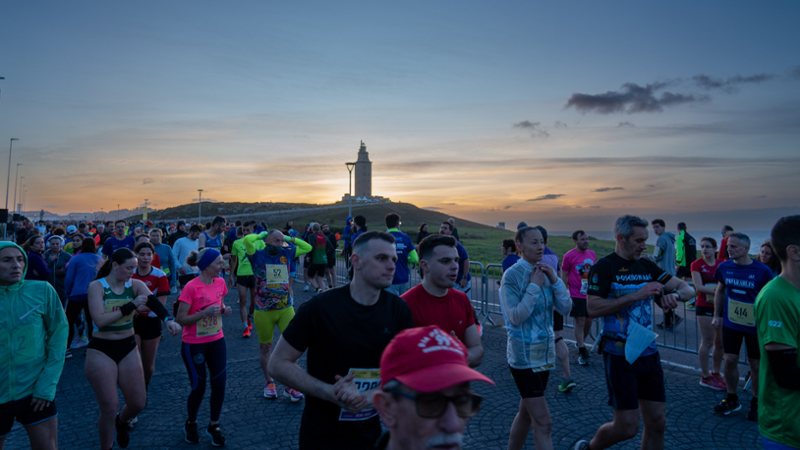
(251, 422)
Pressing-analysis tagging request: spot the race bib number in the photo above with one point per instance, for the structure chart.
(365, 379)
(584, 286)
(277, 273)
(113, 305)
(209, 326)
(741, 313)
(710, 297)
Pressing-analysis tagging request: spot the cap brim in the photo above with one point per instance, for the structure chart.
(440, 377)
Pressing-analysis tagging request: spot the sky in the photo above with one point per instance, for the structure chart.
(566, 114)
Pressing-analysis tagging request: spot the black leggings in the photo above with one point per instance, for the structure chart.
(196, 357)
(73, 311)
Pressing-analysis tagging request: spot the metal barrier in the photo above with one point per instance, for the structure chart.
(484, 295)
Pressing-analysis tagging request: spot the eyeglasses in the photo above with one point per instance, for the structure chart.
(433, 406)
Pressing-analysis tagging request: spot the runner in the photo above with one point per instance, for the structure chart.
(169, 265)
(111, 359)
(270, 266)
(317, 257)
(179, 233)
(739, 279)
(464, 278)
(213, 236)
(435, 302)
(685, 253)
(529, 292)
(768, 257)
(81, 270)
(155, 260)
(200, 305)
(57, 260)
(575, 270)
(35, 266)
(146, 325)
(119, 240)
(727, 230)
(423, 372)
(348, 243)
(330, 268)
(32, 351)
(345, 331)
(622, 288)
(778, 321)
(453, 228)
(703, 271)
(509, 250)
(405, 254)
(243, 278)
(74, 244)
(664, 256)
(359, 227)
(183, 248)
(422, 232)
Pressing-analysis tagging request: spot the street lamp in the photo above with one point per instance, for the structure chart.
(16, 203)
(8, 176)
(350, 167)
(16, 178)
(24, 195)
(199, 204)
(117, 213)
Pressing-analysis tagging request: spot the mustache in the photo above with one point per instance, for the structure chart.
(445, 439)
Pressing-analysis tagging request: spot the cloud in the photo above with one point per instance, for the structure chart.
(432, 208)
(560, 125)
(508, 207)
(729, 84)
(546, 197)
(148, 181)
(794, 72)
(535, 128)
(595, 207)
(626, 124)
(450, 204)
(632, 98)
(606, 189)
(578, 207)
(652, 186)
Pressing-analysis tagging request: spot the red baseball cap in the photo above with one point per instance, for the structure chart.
(427, 359)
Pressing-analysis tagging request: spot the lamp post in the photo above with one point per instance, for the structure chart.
(16, 178)
(117, 213)
(350, 167)
(20, 202)
(24, 194)
(8, 176)
(199, 204)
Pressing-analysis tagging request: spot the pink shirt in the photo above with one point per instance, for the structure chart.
(578, 264)
(200, 296)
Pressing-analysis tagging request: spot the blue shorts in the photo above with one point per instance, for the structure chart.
(629, 383)
(772, 445)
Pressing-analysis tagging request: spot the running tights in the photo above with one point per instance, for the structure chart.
(196, 357)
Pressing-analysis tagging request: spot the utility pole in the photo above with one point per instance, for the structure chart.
(199, 204)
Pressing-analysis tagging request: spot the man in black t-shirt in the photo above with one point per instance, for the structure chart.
(622, 289)
(345, 331)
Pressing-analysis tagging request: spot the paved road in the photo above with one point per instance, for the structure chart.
(251, 422)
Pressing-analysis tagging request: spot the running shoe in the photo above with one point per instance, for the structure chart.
(79, 341)
(691, 305)
(720, 379)
(747, 382)
(727, 406)
(581, 445)
(567, 385)
(752, 415)
(246, 332)
(583, 356)
(68, 354)
(294, 395)
(121, 437)
(305, 289)
(675, 322)
(269, 391)
(190, 433)
(131, 423)
(711, 382)
(249, 323)
(217, 439)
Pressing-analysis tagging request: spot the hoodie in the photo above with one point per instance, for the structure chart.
(664, 253)
(33, 338)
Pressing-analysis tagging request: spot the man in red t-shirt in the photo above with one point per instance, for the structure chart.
(727, 230)
(435, 302)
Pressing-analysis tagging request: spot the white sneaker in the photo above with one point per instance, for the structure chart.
(305, 289)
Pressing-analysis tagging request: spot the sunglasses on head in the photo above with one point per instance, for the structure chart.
(434, 405)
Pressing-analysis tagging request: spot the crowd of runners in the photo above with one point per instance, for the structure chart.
(380, 351)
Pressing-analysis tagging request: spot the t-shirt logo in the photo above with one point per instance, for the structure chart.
(775, 323)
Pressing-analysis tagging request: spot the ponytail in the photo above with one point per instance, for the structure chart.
(193, 257)
(119, 256)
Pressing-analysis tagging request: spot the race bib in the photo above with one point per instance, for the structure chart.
(209, 326)
(584, 286)
(741, 313)
(710, 297)
(365, 379)
(277, 273)
(115, 304)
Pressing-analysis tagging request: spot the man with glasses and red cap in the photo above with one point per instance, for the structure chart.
(425, 399)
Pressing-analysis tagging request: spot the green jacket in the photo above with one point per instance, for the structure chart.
(33, 338)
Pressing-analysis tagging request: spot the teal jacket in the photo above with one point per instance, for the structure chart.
(33, 338)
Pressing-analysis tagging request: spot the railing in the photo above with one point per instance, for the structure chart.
(484, 294)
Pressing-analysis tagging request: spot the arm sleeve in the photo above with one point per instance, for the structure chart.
(55, 324)
(413, 257)
(303, 247)
(155, 305)
(680, 249)
(518, 304)
(250, 240)
(600, 280)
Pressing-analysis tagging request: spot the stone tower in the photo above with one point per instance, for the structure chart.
(363, 174)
